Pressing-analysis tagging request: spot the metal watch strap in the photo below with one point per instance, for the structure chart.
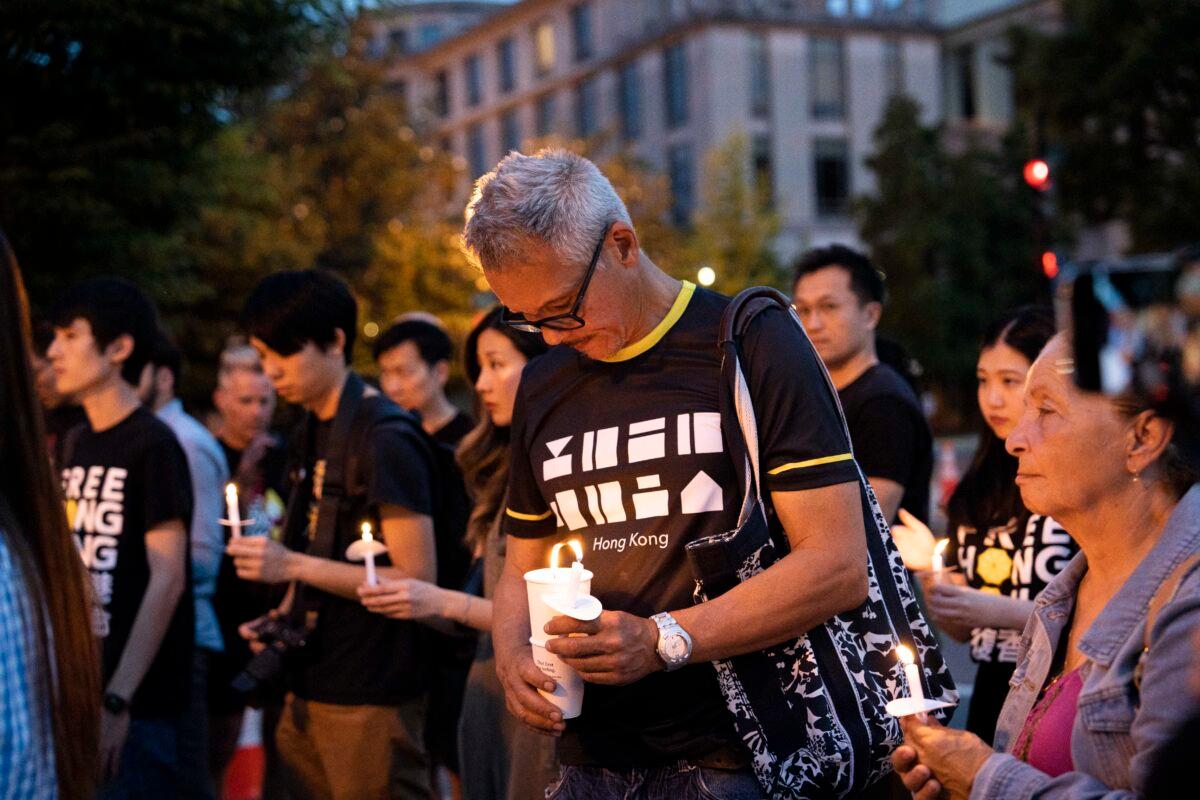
(667, 626)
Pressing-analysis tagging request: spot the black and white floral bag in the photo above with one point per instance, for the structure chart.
(811, 710)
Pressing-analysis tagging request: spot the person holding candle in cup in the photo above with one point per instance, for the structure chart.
(616, 441)
(1102, 680)
(353, 718)
(498, 756)
(1003, 555)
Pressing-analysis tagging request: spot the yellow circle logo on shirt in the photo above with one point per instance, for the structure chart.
(994, 566)
(71, 508)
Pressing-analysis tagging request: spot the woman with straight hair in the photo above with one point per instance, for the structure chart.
(49, 666)
(1005, 555)
(499, 757)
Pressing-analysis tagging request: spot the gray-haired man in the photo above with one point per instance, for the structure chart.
(616, 440)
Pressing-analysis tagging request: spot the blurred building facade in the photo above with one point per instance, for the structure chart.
(805, 81)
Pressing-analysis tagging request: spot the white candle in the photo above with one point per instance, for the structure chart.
(939, 559)
(231, 508)
(369, 555)
(912, 674)
(573, 582)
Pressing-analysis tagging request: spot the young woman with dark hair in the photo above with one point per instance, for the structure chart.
(499, 757)
(49, 669)
(1005, 555)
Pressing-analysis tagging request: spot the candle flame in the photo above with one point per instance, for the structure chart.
(576, 547)
(366, 532)
(904, 653)
(940, 547)
(231, 492)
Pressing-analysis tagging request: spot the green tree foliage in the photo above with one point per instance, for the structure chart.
(107, 106)
(735, 224)
(1116, 90)
(953, 231)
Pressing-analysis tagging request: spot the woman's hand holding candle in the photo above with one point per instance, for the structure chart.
(936, 759)
(405, 598)
(262, 559)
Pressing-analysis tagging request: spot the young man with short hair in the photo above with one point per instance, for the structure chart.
(413, 356)
(839, 296)
(129, 503)
(354, 715)
(209, 473)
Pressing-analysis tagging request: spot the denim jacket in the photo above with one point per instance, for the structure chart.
(1118, 729)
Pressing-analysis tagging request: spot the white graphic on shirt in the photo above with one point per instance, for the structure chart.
(603, 502)
(560, 465)
(96, 512)
(645, 445)
(650, 504)
(702, 494)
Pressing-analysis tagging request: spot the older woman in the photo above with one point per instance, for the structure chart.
(1103, 680)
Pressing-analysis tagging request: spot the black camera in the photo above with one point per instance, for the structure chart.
(281, 637)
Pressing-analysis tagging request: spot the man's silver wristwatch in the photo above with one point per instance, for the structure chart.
(674, 644)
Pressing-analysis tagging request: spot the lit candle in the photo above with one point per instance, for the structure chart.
(939, 559)
(369, 554)
(912, 674)
(232, 510)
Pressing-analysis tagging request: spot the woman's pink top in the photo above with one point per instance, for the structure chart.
(1045, 741)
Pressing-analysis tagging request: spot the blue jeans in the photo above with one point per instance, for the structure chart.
(149, 762)
(680, 782)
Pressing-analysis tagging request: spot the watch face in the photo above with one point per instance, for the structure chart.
(674, 647)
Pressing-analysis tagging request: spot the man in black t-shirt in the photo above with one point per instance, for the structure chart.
(413, 356)
(616, 441)
(839, 296)
(353, 718)
(129, 503)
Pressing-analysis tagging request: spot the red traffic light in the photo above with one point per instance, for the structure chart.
(1050, 264)
(1037, 174)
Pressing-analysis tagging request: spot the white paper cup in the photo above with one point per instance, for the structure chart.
(568, 690)
(544, 581)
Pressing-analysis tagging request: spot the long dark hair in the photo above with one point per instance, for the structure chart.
(34, 522)
(483, 453)
(987, 493)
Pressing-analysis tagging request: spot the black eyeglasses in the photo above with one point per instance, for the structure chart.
(570, 321)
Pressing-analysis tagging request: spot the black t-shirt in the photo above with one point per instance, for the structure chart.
(453, 431)
(1007, 559)
(353, 656)
(628, 455)
(59, 422)
(891, 437)
(120, 483)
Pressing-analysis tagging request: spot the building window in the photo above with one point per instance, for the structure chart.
(581, 31)
(545, 115)
(831, 169)
(826, 78)
(398, 41)
(964, 73)
(506, 54)
(510, 131)
(681, 174)
(629, 101)
(675, 80)
(428, 35)
(476, 156)
(760, 76)
(585, 108)
(543, 48)
(474, 80)
(441, 94)
(763, 170)
(893, 66)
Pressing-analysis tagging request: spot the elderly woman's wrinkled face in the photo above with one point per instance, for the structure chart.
(1070, 445)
